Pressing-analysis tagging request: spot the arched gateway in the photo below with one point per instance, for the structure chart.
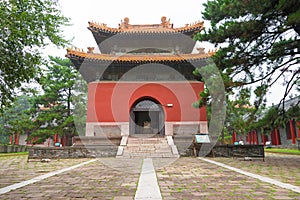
(147, 117)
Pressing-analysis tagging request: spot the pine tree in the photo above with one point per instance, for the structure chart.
(54, 109)
(259, 40)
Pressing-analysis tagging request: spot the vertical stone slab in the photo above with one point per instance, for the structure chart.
(169, 129)
(89, 131)
(124, 129)
(203, 127)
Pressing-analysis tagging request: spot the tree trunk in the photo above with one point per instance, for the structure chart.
(223, 139)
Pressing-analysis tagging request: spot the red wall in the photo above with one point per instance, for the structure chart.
(112, 101)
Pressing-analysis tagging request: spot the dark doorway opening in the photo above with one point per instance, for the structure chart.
(147, 117)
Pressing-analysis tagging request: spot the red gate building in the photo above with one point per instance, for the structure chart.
(141, 81)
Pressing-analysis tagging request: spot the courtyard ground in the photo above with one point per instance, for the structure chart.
(183, 178)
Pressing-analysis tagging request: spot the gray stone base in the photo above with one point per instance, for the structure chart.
(83, 147)
(72, 152)
(239, 151)
(184, 144)
(13, 148)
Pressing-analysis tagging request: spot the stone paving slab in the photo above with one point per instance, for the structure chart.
(284, 168)
(15, 169)
(148, 187)
(256, 176)
(16, 186)
(111, 178)
(190, 178)
(92, 181)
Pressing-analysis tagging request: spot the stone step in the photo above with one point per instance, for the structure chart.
(148, 155)
(143, 153)
(140, 149)
(147, 142)
(147, 147)
(148, 150)
(146, 139)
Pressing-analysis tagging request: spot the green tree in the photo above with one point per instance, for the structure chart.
(259, 42)
(54, 109)
(275, 117)
(26, 27)
(79, 102)
(17, 119)
(240, 112)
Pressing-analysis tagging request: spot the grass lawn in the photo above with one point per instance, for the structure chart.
(285, 151)
(14, 154)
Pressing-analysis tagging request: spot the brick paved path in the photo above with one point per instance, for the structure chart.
(191, 178)
(285, 168)
(110, 178)
(14, 169)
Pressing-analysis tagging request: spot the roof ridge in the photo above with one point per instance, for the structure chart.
(145, 28)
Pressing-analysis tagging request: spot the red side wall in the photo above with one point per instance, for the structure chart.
(112, 101)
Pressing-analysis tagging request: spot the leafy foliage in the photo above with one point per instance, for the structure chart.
(26, 27)
(16, 119)
(239, 113)
(275, 117)
(261, 43)
(54, 114)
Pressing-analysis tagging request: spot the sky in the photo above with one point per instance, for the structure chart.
(111, 12)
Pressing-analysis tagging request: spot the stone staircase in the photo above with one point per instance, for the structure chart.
(147, 148)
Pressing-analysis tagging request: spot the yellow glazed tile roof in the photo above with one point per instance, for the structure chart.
(137, 57)
(149, 28)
